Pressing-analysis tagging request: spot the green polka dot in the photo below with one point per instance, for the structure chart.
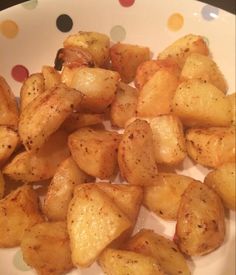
(30, 5)
(118, 33)
(19, 262)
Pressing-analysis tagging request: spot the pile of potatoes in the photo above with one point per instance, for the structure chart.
(79, 124)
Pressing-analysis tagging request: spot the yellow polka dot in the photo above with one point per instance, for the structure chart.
(175, 22)
(9, 28)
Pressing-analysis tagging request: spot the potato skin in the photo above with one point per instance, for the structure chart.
(45, 247)
(223, 181)
(18, 211)
(200, 226)
(2, 185)
(232, 99)
(211, 146)
(51, 77)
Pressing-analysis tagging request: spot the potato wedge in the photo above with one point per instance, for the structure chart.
(165, 251)
(200, 104)
(40, 165)
(9, 140)
(31, 88)
(45, 114)
(148, 68)
(203, 67)
(183, 47)
(95, 151)
(93, 43)
(200, 225)
(46, 248)
(60, 190)
(124, 105)
(2, 185)
(223, 181)
(94, 221)
(8, 106)
(67, 74)
(51, 77)
(125, 59)
(156, 96)
(98, 87)
(169, 188)
(18, 212)
(232, 99)
(136, 156)
(121, 262)
(211, 147)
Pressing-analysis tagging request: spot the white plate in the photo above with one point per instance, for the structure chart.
(29, 36)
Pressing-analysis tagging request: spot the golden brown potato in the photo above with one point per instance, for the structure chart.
(148, 68)
(183, 47)
(169, 188)
(60, 190)
(126, 58)
(223, 181)
(136, 156)
(203, 67)
(45, 114)
(232, 99)
(31, 88)
(156, 96)
(9, 140)
(51, 77)
(98, 87)
(46, 248)
(211, 147)
(93, 43)
(95, 151)
(79, 120)
(200, 104)
(40, 165)
(94, 221)
(124, 105)
(2, 185)
(200, 225)
(67, 74)
(18, 212)
(8, 105)
(165, 251)
(122, 262)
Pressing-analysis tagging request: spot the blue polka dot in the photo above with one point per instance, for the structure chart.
(209, 12)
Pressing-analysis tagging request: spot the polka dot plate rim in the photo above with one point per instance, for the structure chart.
(37, 32)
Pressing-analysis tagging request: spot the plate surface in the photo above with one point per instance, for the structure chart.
(31, 34)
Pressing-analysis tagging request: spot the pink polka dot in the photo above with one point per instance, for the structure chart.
(126, 3)
(19, 73)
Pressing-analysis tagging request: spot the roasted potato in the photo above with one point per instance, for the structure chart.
(183, 47)
(9, 140)
(126, 58)
(200, 104)
(223, 181)
(2, 185)
(40, 165)
(45, 247)
(90, 43)
(156, 96)
(200, 225)
(31, 88)
(211, 147)
(232, 99)
(18, 212)
(45, 114)
(8, 105)
(165, 251)
(67, 74)
(136, 156)
(169, 188)
(148, 68)
(124, 105)
(203, 67)
(94, 221)
(51, 77)
(95, 151)
(60, 190)
(98, 87)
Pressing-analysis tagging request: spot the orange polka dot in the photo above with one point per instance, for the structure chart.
(175, 22)
(9, 28)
